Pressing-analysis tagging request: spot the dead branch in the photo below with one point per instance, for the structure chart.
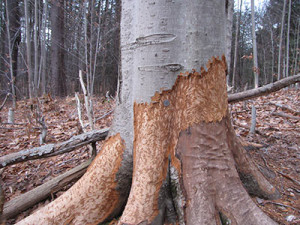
(79, 111)
(54, 149)
(269, 88)
(30, 198)
(285, 108)
(290, 178)
(280, 204)
(87, 102)
(286, 115)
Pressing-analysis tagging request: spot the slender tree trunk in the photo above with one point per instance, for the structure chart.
(36, 49)
(237, 30)
(273, 52)
(178, 144)
(296, 49)
(280, 41)
(44, 47)
(229, 14)
(10, 43)
(288, 40)
(57, 48)
(96, 48)
(28, 50)
(86, 46)
(255, 63)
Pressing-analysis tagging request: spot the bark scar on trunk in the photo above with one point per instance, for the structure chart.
(188, 124)
(194, 98)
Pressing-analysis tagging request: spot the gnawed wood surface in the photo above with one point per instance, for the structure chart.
(54, 149)
(232, 98)
(196, 106)
(30, 198)
(194, 98)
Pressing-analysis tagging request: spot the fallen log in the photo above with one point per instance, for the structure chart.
(232, 98)
(54, 149)
(40, 193)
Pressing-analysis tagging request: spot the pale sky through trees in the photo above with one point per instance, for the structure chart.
(258, 3)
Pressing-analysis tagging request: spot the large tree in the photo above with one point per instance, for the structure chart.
(172, 132)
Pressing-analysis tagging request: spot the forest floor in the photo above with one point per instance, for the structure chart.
(274, 147)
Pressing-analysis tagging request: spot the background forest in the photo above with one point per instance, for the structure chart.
(44, 43)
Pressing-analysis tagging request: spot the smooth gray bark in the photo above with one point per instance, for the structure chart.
(288, 39)
(159, 42)
(36, 49)
(280, 41)
(28, 50)
(255, 63)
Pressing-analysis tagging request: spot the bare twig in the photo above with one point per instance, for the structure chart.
(285, 115)
(280, 204)
(290, 178)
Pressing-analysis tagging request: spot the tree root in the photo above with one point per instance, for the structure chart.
(93, 198)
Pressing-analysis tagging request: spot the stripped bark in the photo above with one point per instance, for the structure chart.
(54, 149)
(177, 126)
(232, 98)
(173, 141)
(30, 198)
(156, 47)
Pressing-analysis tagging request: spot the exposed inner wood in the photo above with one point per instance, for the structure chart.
(93, 198)
(193, 99)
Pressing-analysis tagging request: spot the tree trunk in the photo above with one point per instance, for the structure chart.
(237, 30)
(28, 50)
(186, 158)
(36, 48)
(288, 39)
(57, 48)
(280, 41)
(255, 63)
(44, 47)
(13, 40)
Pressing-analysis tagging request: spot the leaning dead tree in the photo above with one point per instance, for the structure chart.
(172, 156)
